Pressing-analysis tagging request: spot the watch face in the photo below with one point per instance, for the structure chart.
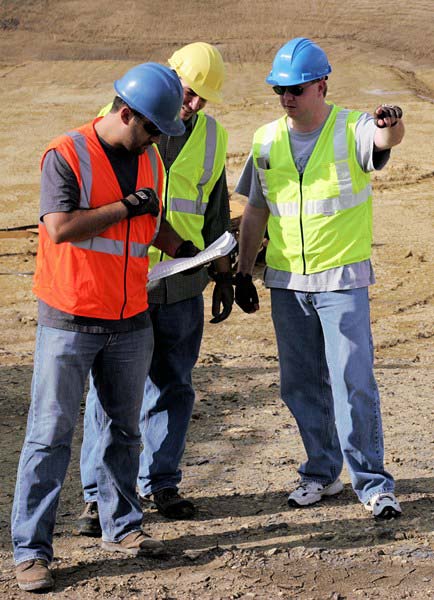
(134, 201)
(143, 195)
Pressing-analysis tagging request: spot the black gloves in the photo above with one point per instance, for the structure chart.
(387, 111)
(142, 202)
(223, 293)
(186, 250)
(246, 295)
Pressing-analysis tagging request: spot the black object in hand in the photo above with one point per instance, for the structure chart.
(388, 111)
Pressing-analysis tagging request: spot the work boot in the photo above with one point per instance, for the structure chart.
(136, 543)
(34, 575)
(88, 522)
(173, 506)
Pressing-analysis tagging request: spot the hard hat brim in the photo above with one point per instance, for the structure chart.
(295, 79)
(173, 128)
(204, 92)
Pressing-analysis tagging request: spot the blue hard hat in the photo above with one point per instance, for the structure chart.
(298, 61)
(154, 91)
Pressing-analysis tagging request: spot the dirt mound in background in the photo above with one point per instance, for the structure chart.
(245, 31)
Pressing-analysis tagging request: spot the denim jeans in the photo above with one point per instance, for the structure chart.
(119, 364)
(167, 401)
(327, 381)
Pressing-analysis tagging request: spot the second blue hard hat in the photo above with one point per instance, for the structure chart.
(154, 91)
(298, 61)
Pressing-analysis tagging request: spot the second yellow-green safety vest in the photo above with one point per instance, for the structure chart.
(323, 218)
(190, 180)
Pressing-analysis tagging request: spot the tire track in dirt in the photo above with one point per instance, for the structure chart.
(411, 80)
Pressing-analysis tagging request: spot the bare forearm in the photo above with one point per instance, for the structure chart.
(81, 225)
(253, 223)
(390, 128)
(389, 136)
(223, 264)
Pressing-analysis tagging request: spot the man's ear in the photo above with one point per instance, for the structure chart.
(323, 87)
(126, 115)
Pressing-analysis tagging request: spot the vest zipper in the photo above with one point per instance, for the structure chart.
(127, 245)
(301, 224)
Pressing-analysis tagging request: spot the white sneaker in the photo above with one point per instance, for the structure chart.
(384, 506)
(310, 492)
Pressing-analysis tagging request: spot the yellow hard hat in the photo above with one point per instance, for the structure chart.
(201, 66)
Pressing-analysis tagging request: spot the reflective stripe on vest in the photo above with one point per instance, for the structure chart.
(197, 207)
(80, 146)
(347, 198)
(190, 181)
(264, 153)
(327, 206)
(116, 247)
(97, 243)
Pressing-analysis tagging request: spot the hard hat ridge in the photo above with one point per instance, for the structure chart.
(154, 91)
(201, 66)
(298, 61)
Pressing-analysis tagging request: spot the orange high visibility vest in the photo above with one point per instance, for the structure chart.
(105, 276)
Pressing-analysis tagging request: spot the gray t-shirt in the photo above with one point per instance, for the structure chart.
(351, 276)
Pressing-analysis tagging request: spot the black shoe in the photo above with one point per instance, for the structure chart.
(171, 505)
(88, 522)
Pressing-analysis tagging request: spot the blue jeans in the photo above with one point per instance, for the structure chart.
(327, 381)
(167, 402)
(119, 364)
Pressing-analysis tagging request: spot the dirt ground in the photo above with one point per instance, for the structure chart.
(58, 61)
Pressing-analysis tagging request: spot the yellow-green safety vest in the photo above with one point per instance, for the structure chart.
(323, 218)
(190, 180)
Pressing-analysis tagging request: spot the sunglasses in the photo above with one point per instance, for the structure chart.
(295, 90)
(147, 125)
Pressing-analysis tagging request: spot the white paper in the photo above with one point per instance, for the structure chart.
(221, 247)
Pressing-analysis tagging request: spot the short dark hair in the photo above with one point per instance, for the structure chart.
(118, 103)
